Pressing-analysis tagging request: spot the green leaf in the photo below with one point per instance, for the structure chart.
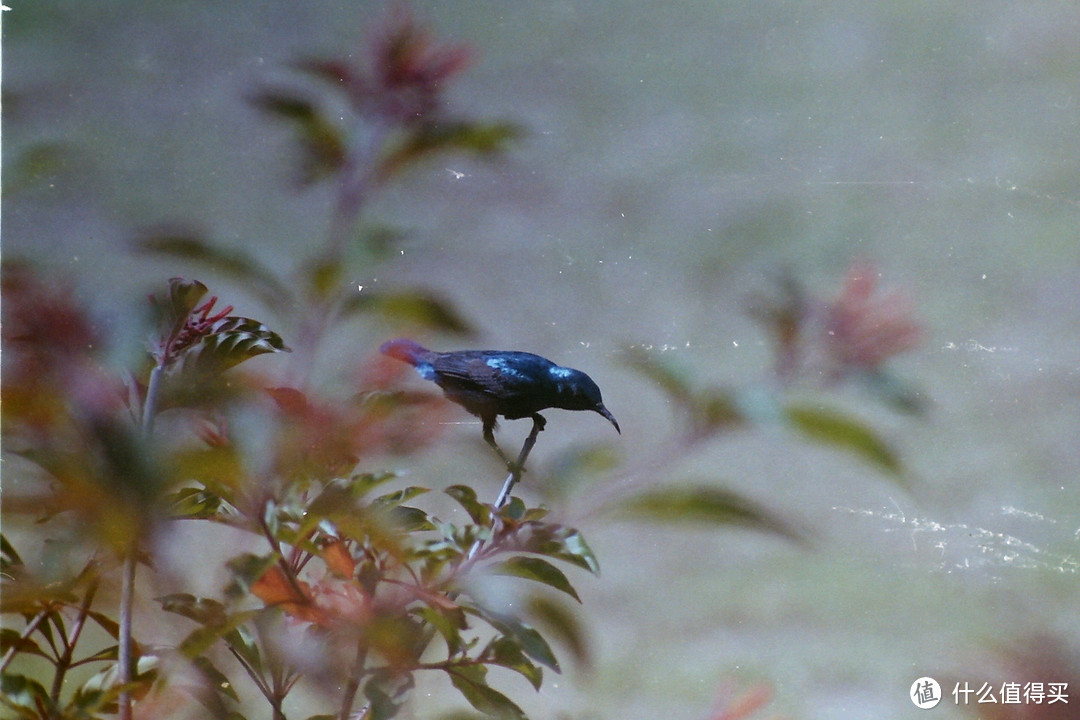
(11, 639)
(110, 652)
(834, 428)
(536, 569)
(324, 276)
(7, 551)
(718, 409)
(214, 678)
(204, 611)
(106, 623)
(531, 642)
(386, 691)
(54, 619)
(101, 689)
(201, 639)
(246, 570)
(242, 642)
(700, 505)
(409, 519)
(336, 496)
(663, 373)
(364, 483)
(41, 162)
(26, 696)
(199, 504)
(216, 624)
(561, 623)
(578, 551)
(229, 342)
(187, 245)
(285, 105)
(448, 624)
(420, 310)
(483, 139)
(710, 409)
(506, 653)
(399, 496)
(471, 682)
(562, 543)
(466, 497)
(515, 510)
(322, 143)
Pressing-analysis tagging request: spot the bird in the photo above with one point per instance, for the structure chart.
(507, 383)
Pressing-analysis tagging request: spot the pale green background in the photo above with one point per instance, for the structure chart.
(677, 153)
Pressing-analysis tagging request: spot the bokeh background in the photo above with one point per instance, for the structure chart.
(675, 156)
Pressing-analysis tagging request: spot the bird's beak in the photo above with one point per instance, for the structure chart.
(604, 411)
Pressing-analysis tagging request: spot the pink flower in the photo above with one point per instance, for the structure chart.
(402, 79)
(864, 328)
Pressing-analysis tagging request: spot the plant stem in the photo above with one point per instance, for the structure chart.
(283, 564)
(64, 662)
(153, 389)
(356, 180)
(280, 686)
(353, 684)
(124, 658)
(127, 584)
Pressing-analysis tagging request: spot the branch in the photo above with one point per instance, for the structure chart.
(512, 479)
(353, 684)
(27, 632)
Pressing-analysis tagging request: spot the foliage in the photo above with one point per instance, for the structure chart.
(340, 576)
(345, 570)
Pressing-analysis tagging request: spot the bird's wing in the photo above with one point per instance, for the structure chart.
(503, 375)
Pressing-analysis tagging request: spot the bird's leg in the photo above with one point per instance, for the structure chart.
(538, 425)
(519, 467)
(489, 438)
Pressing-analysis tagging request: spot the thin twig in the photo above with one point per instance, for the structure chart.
(353, 684)
(511, 479)
(127, 585)
(65, 661)
(260, 683)
(124, 654)
(282, 563)
(27, 632)
(357, 179)
(153, 389)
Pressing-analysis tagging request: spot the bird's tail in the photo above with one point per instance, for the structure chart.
(405, 350)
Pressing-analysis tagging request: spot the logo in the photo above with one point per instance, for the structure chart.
(925, 693)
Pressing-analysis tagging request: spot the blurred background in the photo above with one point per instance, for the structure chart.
(674, 159)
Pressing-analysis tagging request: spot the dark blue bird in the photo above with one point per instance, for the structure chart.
(489, 383)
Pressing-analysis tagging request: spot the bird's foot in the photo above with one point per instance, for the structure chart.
(511, 466)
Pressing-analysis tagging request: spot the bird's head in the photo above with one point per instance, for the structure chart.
(577, 391)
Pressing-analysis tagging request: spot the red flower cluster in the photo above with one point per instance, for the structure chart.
(332, 601)
(402, 79)
(863, 328)
(49, 342)
(856, 333)
(196, 326)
